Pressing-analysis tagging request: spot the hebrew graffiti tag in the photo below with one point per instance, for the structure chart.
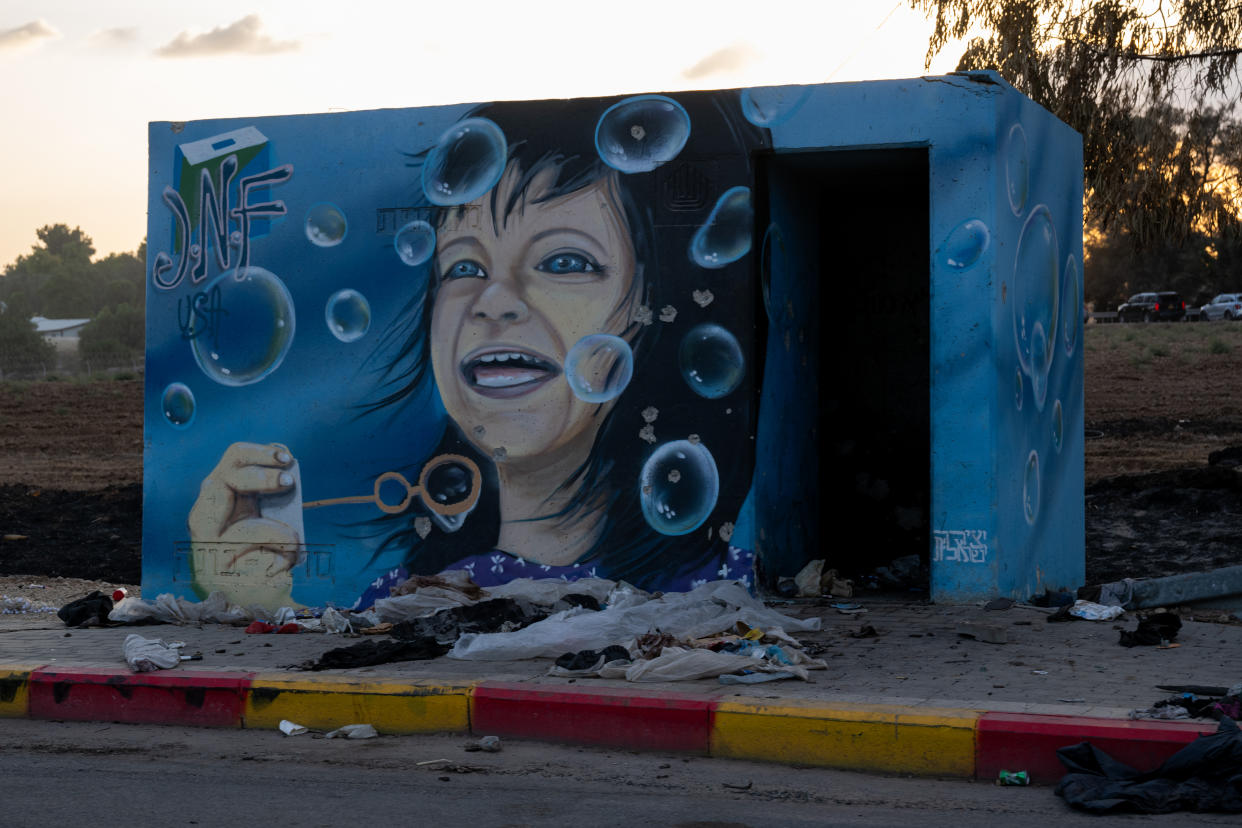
(961, 545)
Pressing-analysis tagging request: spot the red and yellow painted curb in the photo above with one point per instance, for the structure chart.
(924, 741)
(1029, 742)
(89, 694)
(329, 702)
(886, 739)
(15, 690)
(616, 718)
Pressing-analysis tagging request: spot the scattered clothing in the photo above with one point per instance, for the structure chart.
(592, 659)
(378, 651)
(1206, 775)
(447, 625)
(1052, 599)
(1152, 631)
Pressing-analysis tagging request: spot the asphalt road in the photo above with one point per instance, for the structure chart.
(54, 773)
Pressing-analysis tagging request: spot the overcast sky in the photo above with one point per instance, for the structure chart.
(82, 78)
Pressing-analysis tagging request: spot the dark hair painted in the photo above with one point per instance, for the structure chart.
(558, 136)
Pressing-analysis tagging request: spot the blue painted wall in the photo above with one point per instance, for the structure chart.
(691, 435)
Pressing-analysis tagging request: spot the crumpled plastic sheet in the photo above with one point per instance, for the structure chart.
(423, 602)
(682, 664)
(711, 608)
(169, 609)
(22, 605)
(145, 655)
(1095, 612)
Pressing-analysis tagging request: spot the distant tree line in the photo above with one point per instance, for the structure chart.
(1154, 90)
(57, 279)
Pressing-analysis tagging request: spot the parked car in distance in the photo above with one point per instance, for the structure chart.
(1164, 306)
(1225, 306)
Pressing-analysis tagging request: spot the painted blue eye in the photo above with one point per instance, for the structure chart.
(562, 264)
(466, 269)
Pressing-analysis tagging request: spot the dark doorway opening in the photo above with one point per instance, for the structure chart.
(846, 281)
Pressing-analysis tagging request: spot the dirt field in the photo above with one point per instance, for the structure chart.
(1160, 399)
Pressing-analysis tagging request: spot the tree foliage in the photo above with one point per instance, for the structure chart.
(59, 280)
(113, 337)
(22, 349)
(1153, 88)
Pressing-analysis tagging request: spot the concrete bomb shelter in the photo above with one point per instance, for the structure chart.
(660, 338)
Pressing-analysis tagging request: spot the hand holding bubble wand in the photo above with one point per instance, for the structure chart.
(448, 486)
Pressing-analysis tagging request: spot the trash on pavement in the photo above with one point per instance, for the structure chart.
(487, 616)
(1001, 603)
(808, 580)
(147, 654)
(991, 633)
(489, 744)
(1152, 631)
(1095, 612)
(373, 651)
(1013, 778)
(334, 622)
(21, 605)
(290, 728)
(352, 731)
(588, 662)
(88, 611)
(714, 607)
(1051, 599)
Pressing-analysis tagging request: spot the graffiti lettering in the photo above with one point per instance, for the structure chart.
(213, 227)
(961, 545)
(200, 314)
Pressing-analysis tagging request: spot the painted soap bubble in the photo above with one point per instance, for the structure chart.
(326, 225)
(1017, 169)
(241, 326)
(711, 360)
(348, 314)
(415, 242)
(465, 163)
(678, 487)
(1018, 389)
(725, 237)
(769, 106)
(641, 133)
(1058, 426)
(1030, 489)
(1071, 305)
(966, 244)
(177, 403)
(1035, 297)
(1040, 353)
(599, 367)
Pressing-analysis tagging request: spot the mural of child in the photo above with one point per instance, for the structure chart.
(582, 324)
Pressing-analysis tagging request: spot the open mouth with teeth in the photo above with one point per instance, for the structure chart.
(506, 372)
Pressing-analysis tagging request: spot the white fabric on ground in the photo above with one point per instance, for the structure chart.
(146, 654)
(712, 608)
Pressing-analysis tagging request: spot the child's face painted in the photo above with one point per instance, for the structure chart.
(516, 293)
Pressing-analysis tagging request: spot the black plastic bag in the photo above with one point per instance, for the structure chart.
(89, 610)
